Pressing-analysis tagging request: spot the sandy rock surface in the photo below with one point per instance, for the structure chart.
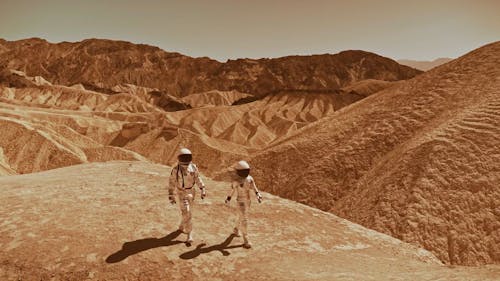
(113, 221)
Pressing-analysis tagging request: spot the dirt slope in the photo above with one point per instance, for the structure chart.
(259, 123)
(5, 168)
(419, 161)
(112, 221)
(367, 87)
(31, 147)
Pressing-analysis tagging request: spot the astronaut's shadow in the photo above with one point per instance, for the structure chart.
(202, 249)
(137, 246)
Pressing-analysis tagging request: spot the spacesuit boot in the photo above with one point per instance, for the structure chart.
(236, 232)
(246, 242)
(189, 239)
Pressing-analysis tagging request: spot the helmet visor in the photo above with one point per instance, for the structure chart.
(185, 158)
(243, 173)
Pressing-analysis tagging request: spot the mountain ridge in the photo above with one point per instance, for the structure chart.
(107, 63)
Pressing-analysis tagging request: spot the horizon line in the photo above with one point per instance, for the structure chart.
(229, 59)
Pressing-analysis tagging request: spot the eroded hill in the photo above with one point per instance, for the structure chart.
(84, 125)
(419, 161)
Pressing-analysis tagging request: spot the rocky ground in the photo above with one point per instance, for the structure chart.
(112, 221)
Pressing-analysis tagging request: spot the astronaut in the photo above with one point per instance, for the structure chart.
(181, 182)
(242, 185)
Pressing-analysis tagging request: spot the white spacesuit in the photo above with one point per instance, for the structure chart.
(181, 181)
(242, 186)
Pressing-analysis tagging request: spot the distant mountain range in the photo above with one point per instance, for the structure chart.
(102, 64)
(424, 65)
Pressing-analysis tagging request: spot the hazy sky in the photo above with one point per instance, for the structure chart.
(414, 29)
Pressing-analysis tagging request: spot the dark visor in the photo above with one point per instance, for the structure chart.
(185, 158)
(243, 173)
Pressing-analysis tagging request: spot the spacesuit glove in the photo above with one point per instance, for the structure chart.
(171, 198)
(203, 193)
(259, 197)
(228, 199)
